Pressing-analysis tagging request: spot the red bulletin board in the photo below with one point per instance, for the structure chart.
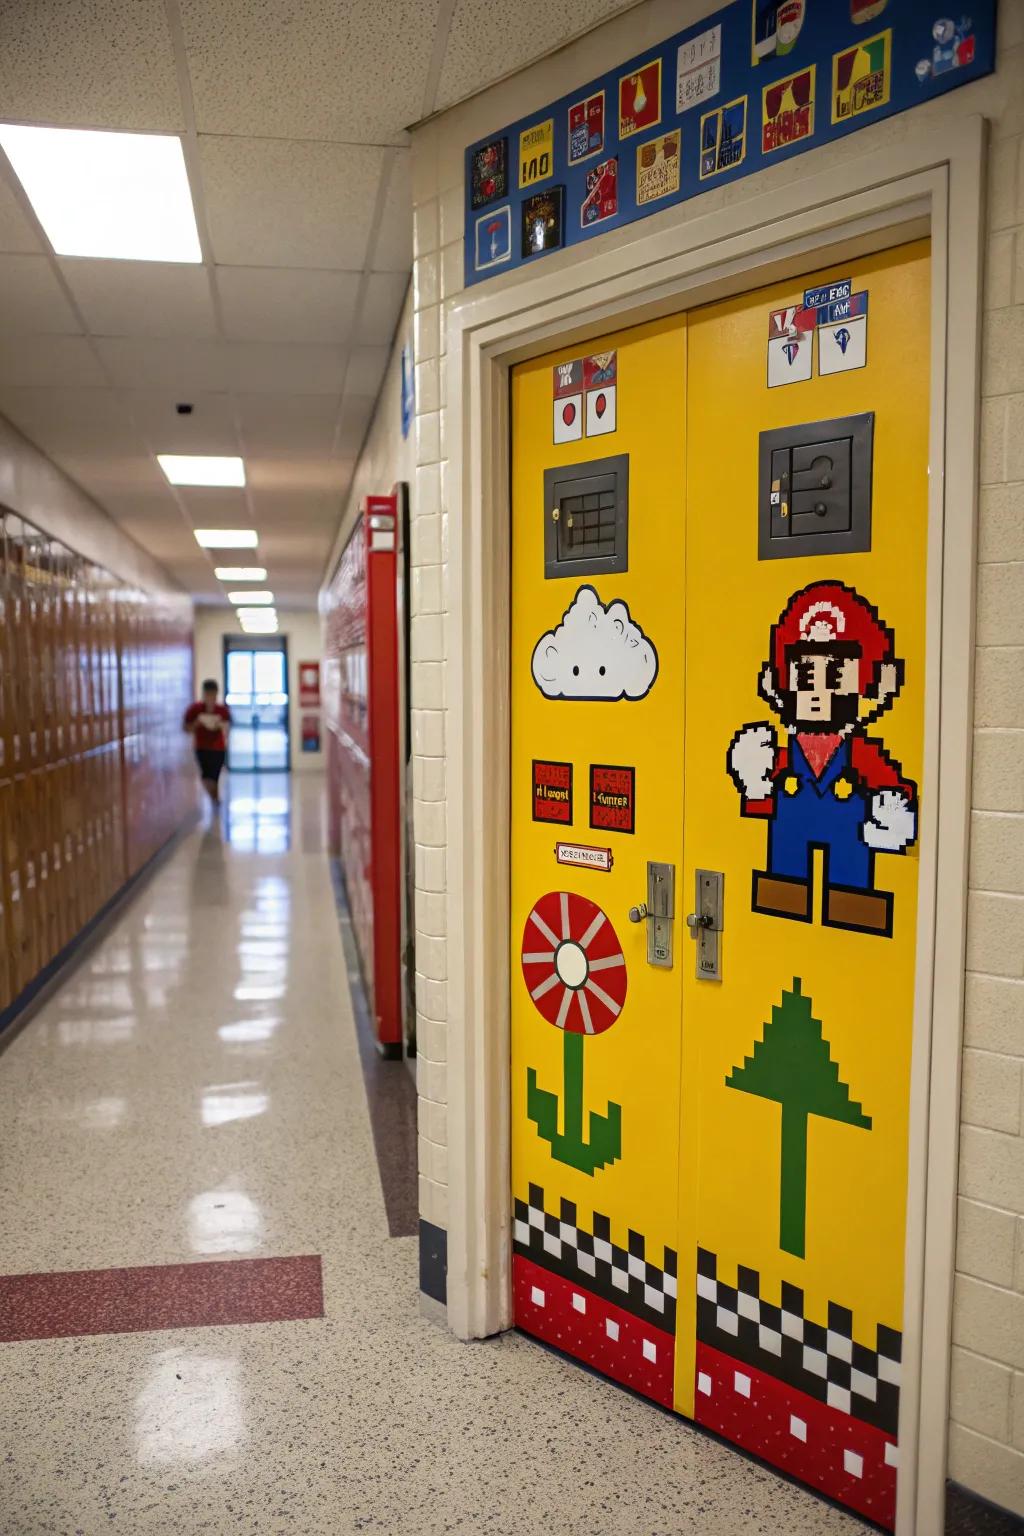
(361, 726)
(309, 685)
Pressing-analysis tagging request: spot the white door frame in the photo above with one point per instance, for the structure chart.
(929, 183)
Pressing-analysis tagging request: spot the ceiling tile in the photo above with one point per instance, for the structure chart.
(310, 544)
(488, 41)
(165, 537)
(298, 476)
(104, 473)
(90, 64)
(218, 507)
(159, 363)
(272, 367)
(292, 514)
(141, 298)
(320, 70)
(277, 203)
(285, 304)
(381, 306)
(59, 360)
(17, 232)
(392, 249)
(356, 411)
(153, 508)
(32, 301)
(209, 429)
(287, 425)
(366, 369)
(67, 420)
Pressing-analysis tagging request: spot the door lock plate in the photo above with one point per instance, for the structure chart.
(660, 913)
(706, 921)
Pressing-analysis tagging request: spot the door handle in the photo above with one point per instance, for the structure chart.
(658, 911)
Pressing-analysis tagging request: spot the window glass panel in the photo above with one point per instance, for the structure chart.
(239, 672)
(269, 672)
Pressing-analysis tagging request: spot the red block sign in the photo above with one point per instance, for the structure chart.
(552, 792)
(612, 798)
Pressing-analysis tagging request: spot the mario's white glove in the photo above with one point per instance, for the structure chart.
(892, 824)
(751, 760)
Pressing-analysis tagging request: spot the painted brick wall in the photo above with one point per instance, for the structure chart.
(987, 1411)
(429, 605)
(986, 1450)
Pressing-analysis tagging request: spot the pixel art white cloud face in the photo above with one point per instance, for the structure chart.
(595, 653)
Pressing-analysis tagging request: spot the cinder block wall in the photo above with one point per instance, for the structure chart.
(986, 1451)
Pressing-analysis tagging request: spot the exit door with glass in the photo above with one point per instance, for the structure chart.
(257, 696)
(718, 605)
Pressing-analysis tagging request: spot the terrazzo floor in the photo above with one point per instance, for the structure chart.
(193, 1092)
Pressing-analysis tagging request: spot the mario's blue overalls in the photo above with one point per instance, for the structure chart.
(824, 813)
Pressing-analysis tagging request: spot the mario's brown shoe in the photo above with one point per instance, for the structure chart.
(782, 896)
(863, 911)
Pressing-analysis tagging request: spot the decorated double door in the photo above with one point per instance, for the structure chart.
(718, 648)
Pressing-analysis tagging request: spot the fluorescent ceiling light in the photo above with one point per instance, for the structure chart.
(266, 625)
(227, 538)
(264, 599)
(240, 573)
(256, 615)
(201, 469)
(123, 195)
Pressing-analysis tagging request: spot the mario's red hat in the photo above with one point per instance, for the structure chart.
(829, 611)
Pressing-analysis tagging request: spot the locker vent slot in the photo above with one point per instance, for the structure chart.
(586, 518)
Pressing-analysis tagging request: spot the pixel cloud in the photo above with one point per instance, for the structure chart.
(595, 653)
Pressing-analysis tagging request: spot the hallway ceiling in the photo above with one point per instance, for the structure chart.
(292, 114)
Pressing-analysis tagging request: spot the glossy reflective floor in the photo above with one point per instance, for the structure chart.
(192, 1097)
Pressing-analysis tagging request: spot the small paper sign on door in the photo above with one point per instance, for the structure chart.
(582, 856)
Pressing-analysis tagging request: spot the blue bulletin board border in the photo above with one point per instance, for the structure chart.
(909, 51)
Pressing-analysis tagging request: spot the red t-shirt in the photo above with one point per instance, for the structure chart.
(208, 739)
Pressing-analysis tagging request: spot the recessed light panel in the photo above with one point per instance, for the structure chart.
(202, 468)
(240, 573)
(262, 621)
(119, 195)
(227, 538)
(263, 599)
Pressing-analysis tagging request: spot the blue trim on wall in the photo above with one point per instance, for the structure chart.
(20, 1009)
(968, 1514)
(434, 1262)
(925, 62)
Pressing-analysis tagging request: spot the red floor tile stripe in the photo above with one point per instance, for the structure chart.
(64, 1303)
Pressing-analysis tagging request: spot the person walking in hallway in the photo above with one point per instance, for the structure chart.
(208, 722)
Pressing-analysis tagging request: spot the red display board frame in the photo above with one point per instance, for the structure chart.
(360, 685)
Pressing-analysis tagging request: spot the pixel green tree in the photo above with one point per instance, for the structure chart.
(792, 1064)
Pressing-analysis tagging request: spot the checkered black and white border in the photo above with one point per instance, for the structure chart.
(822, 1359)
(592, 1261)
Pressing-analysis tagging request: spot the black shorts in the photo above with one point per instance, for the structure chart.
(210, 761)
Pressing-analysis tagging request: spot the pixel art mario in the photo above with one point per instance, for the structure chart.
(831, 669)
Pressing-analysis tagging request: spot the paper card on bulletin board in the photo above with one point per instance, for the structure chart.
(309, 685)
(311, 733)
(751, 85)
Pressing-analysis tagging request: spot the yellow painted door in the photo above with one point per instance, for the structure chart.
(710, 1175)
(597, 753)
(804, 722)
